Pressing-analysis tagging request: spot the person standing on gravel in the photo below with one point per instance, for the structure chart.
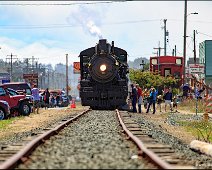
(145, 97)
(46, 98)
(152, 99)
(139, 91)
(198, 91)
(159, 102)
(36, 99)
(57, 100)
(168, 99)
(134, 98)
(175, 103)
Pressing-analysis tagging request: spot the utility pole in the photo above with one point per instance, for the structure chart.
(11, 65)
(27, 64)
(159, 48)
(165, 34)
(32, 67)
(67, 75)
(174, 51)
(33, 59)
(156, 53)
(184, 41)
(36, 66)
(48, 77)
(195, 88)
(195, 59)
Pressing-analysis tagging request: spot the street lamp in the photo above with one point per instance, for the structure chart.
(195, 13)
(184, 38)
(142, 64)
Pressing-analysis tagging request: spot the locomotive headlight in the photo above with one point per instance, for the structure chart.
(103, 67)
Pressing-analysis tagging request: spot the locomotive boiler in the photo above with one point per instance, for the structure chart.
(104, 82)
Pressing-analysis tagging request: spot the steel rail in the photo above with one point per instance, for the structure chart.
(159, 162)
(20, 156)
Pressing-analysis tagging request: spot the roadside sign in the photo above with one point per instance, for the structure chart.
(4, 78)
(5, 81)
(31, 78)
(196, 68)
(76, 67)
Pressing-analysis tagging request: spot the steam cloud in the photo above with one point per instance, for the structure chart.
(88, 19)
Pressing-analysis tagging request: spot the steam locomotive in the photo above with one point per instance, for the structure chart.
(104, 81)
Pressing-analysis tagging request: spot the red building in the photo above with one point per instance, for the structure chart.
(168, 65)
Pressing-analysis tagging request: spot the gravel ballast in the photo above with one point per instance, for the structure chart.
(200, 161)
(93, 142)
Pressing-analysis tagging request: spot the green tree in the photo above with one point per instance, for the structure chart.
(147, 79)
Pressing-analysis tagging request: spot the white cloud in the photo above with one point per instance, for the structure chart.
(41, 51)
(138, 38)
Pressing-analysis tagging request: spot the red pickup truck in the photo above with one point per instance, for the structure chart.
(4, 110)
(19, 104)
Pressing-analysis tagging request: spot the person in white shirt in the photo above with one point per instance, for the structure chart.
(36, 99)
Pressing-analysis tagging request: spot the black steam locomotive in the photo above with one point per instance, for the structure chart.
(104, 82)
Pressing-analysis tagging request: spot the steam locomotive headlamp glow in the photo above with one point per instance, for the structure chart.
(103, 67)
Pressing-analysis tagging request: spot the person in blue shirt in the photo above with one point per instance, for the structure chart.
(152, 99)
(168, 99)
(199, 91)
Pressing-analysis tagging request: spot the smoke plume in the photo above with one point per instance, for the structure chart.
(89, 20)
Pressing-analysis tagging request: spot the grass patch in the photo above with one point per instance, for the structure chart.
(190, 104)
(202, 130)
(5, 123)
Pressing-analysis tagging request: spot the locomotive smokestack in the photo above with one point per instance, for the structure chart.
(102, 46)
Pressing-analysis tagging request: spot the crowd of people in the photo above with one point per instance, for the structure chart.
(151, 97)
(46, 99)
(50, 100)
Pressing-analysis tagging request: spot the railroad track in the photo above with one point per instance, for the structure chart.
(12, 155)
(163, 156)
(160, 155)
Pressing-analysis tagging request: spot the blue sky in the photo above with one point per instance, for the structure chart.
(48, 32)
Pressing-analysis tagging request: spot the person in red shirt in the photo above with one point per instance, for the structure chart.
(139, 91)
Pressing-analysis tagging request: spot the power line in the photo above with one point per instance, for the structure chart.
(64, 26)
(204, 34)
(67, 26)
(138, 55)
(189, 44)
(57, 4)
(197, 21)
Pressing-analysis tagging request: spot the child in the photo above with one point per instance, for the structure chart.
(175, 101)
(159, 101)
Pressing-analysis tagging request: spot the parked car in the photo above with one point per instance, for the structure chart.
(4, 109)
(19, 104)
(13, 92)
(64, 99)
(42, 103)
(20, 87)
(64, 102)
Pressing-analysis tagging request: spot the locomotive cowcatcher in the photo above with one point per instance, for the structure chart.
(104, 82)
